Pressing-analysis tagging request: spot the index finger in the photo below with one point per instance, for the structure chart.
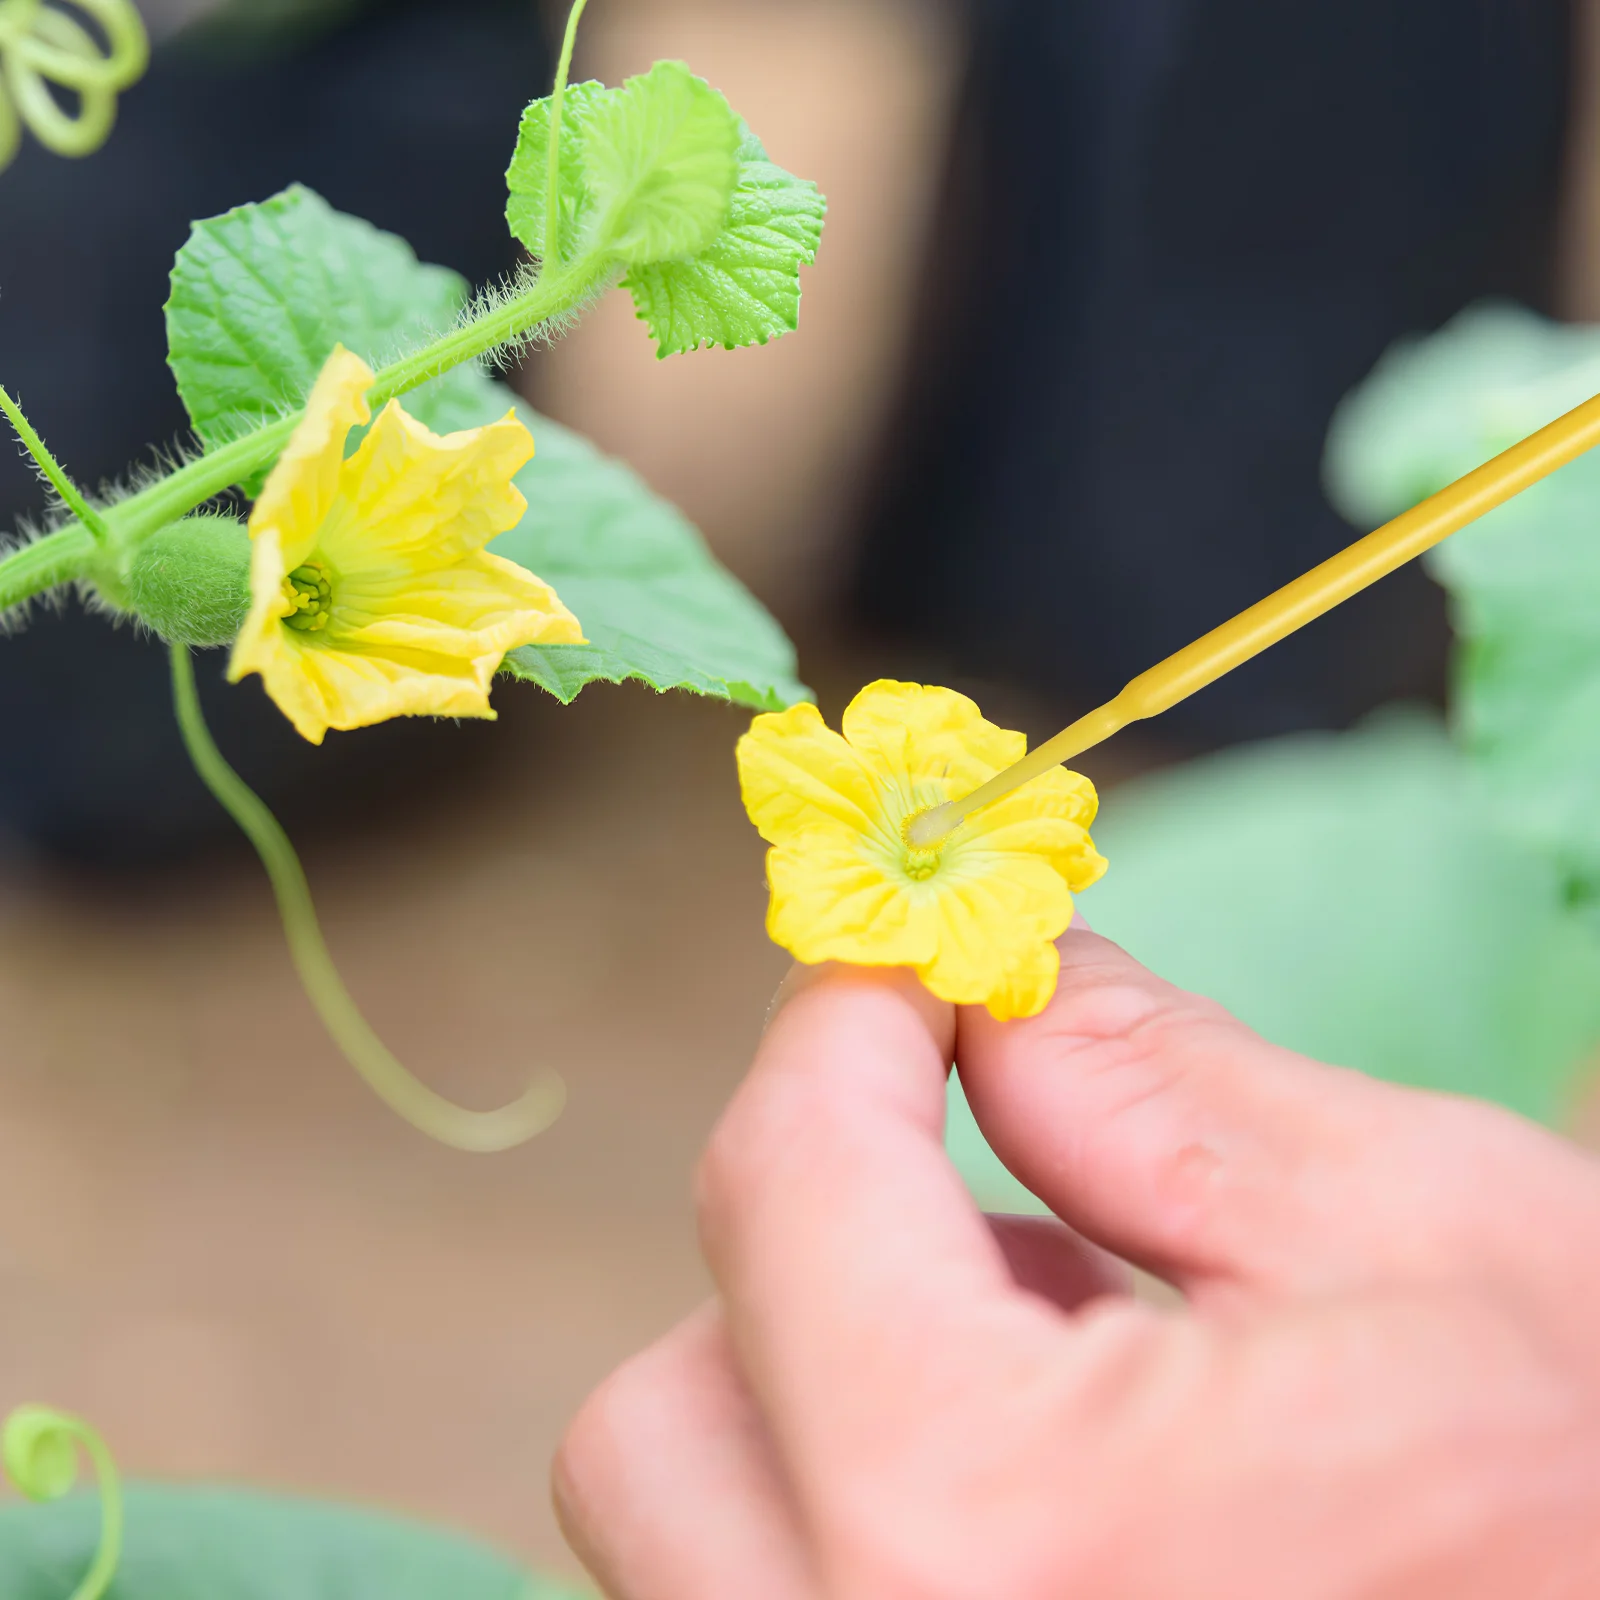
(850, 1258)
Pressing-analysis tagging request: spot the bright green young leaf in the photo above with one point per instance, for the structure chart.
(528, 173)
(653, 602)
(1349, 897)
(1525, 581)
(647, 170)
(661, 158)
(225, 1545)
(261, 295)
(744, 288)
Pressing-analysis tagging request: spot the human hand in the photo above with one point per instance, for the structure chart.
(1384, 1381)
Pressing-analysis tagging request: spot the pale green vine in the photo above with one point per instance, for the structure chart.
(40, 1449)
(431, 1113)
(43, 49)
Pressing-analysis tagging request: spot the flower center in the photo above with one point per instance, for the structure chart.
(919, 864)
(307, 588)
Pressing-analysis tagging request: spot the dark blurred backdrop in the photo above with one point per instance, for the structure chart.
(1169, 235)
(1173, 234)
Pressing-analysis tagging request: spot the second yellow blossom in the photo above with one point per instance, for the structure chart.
(976, 916)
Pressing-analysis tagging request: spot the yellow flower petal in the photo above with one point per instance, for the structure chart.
(796, 773)
(355, 691)
(301, 488)
(482, 604)
(977, 917)
(830, 904)
(907, 728)
(410, 498)
(997, 914)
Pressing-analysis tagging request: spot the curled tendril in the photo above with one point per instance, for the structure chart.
(40, 1449)
(425, 1110)
(42, 45)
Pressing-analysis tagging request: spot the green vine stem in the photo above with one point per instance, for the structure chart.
(69, 551)
(40, 1448)
(431, 1113)
(71, 496)
(558, 100)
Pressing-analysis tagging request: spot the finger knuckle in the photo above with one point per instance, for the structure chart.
(743, 1150)
(598, 1440)
(1483, 1170)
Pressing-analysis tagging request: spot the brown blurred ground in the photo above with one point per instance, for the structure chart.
(215, 1243)
(221, 1249)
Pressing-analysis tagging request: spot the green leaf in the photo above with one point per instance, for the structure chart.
(661, 158)
(261, 295)
(1349, 897)
(1524, 581)
(653, 602)
(736, 285)
(226, 1545)
(530, 167)
(744, 288)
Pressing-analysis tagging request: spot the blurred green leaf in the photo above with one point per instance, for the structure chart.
(1525, 581)
(212, 1544)
(744, 288)
(1348, 896)
(653, 601)
(261, 295)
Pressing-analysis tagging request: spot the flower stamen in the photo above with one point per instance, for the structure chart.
(308, 590)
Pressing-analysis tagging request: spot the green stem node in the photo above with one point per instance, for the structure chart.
(431, 1113)
(71, 496)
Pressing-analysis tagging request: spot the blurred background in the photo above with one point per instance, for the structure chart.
(1095, 278)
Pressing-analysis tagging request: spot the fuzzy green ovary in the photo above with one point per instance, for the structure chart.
(190, 582)
(310, 591)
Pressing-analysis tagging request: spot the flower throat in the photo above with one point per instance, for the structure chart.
(309, 591)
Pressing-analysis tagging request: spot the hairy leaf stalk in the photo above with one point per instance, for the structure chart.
(71, 552)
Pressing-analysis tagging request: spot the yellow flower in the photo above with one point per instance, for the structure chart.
(372, 595)
(978, 914)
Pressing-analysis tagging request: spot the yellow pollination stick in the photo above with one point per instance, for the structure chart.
(1293, 606)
